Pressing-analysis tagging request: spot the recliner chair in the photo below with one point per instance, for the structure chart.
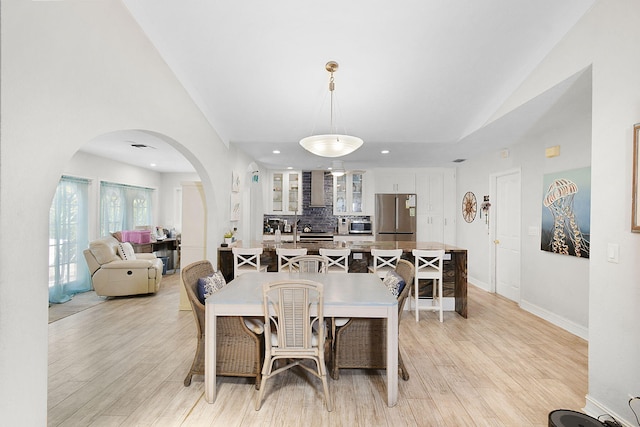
(113, 276)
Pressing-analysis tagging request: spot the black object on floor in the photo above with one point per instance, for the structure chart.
(567, 418)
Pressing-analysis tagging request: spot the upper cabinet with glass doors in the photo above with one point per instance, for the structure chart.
(286, 192)
(348, 194)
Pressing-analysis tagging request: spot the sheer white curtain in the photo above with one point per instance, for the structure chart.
(123, 207)
(68, 237)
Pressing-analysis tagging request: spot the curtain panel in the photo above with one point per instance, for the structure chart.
(68, 237)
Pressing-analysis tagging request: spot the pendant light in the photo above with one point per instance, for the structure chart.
(332, 144)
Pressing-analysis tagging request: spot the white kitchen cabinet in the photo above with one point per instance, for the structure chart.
(435, 193)
(349, 194)
(395, 181)
(285, 196)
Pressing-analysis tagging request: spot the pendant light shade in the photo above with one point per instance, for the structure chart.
(332, 144)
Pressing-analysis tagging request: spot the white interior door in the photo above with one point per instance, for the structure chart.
(506, 208)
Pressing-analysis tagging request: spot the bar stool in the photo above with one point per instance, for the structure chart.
(429, 266)
(384, 260)
(285, 254)
(246, 259)
(338, 259)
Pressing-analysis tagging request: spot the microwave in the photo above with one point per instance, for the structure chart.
(360, 227)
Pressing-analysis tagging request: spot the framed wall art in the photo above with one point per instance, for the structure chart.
(566, 212)
(635, 197)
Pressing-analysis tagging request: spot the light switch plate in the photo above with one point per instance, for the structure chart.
(613, 252)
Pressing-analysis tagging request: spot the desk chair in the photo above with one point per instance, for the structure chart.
(338, 259)
(246, 259)
(290, 330)
(428, 265)
(384, 260)
(285, 254)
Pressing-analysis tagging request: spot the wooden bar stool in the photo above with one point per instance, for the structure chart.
(428, 265)
(246, 259)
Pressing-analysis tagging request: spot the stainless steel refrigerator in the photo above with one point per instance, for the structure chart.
(396, 217)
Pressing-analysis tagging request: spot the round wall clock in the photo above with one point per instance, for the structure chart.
(469, 206)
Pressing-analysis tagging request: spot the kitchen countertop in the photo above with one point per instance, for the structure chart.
(355, 246)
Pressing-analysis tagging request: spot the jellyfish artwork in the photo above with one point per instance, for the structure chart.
(559, 200)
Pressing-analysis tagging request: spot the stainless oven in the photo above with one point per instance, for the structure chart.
(359, 226)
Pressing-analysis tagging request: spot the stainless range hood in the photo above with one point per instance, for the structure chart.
(317, 189)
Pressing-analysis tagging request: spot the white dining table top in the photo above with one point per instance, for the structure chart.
(348, 289)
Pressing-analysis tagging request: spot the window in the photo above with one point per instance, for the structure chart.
(123, 207)
(68, 237)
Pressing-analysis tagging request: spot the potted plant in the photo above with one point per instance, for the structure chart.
(228, 237)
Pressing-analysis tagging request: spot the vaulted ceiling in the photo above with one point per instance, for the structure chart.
(420, 78)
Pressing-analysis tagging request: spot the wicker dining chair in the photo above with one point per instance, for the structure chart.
(238, 349)
(362, 342)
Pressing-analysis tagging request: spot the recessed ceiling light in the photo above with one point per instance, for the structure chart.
(385, 151)
(153, 165)
(289, 167)
(276, 151)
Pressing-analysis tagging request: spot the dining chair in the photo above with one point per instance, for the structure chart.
(309, 264)
(428, 265)
(285, 254)
(384, 260)
(294, 330)
(361, 343)
(338, 259)
(238, 349)
(246, 259)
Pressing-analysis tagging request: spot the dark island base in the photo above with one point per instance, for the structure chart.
(454, 275)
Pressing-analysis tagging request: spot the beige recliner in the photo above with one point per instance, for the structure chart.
(113, 276)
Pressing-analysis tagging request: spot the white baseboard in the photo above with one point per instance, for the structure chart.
(557, 320)
(479, 284)
(594, 409)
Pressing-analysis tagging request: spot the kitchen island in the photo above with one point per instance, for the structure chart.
(455, 264)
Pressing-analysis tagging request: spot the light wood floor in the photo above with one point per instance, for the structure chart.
(122, 363)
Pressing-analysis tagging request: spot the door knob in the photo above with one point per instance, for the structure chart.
(497, 242)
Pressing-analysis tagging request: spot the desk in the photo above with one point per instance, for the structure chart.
(165, 247)
(345, 295)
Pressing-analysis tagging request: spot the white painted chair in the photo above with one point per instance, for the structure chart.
(338, 259)
(246, 259)
(285, 255)
(308, 264)
(294, 330)
(384, 260)
(428, 265)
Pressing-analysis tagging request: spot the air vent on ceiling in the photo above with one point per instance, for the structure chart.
(459, 160)
(136, 145)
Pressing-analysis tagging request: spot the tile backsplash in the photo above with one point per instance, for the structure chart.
(321, 219)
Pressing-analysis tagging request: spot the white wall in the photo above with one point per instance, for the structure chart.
(608, 38)
(170, 205)
(72, 71)
(552, 286)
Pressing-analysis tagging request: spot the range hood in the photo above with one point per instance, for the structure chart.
(317, 189)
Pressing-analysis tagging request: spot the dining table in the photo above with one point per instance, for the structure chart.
(345, 295)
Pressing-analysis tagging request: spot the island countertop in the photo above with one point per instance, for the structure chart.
(455, 265)
(355, 246)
